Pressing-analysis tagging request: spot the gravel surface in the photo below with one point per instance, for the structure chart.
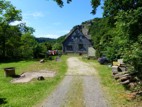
(92, 92)
(77, 67)
(28, 76)
(56, 99)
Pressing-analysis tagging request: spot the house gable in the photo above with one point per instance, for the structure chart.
(76, 42)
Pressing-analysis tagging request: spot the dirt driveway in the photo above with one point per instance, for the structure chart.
(79, 88)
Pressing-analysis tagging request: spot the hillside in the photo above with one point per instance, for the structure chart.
(41, 39)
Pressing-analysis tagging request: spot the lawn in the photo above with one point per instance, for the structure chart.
(115, 93)
(34, 92)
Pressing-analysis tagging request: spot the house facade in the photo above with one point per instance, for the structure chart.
(76, 41)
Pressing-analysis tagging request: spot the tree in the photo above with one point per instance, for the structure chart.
(112, 7)
(94, 3)
(57, 46)
(13, 42)
(8, 14)
(128, 28)
(101, 36)
(28, 46)
(40, 50)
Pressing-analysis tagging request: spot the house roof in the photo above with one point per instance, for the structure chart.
(81, 29)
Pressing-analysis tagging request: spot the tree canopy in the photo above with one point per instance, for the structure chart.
(16, 42)
(94, 4)
(118, 34)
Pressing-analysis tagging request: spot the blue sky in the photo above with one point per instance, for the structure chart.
(49, 20)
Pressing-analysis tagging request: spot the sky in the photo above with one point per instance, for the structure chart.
(51, 21)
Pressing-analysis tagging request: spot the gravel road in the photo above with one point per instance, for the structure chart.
(84, 74)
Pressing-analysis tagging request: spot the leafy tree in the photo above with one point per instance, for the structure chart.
(128, 28)
(60, 39)
(40, 50)
(112, 7)
(94, 4)
(29, 44)
(101, 35)
(48, 45)
(13, 42)
(57, 46)
(8, 14)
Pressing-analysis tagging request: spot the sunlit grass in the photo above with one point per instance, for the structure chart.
(34, 92)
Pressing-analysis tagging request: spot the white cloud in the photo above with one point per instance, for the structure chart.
(34, 14)
(19, 22)
(16, 23)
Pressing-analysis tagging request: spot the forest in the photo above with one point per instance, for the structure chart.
(17, 41)
(119, 33)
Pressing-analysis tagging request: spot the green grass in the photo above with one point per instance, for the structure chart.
(75, 96)
(115, 93)
(34, 92)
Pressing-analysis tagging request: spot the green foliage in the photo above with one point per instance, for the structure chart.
(94, 4)
(60, 39)
(8, 14)
(112, 7)
(101, 34)
(29, 44)
(57, 46)
(48, 45)
(39, 51)
(124, 38)
(17, 41)
(128, 28)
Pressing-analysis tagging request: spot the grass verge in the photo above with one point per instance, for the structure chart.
(75, 96)
(29, 94)
(115, 93)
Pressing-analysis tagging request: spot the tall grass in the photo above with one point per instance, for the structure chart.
(32, 93)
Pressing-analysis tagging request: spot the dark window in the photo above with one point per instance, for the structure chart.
(69, 48)
(80, 46)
